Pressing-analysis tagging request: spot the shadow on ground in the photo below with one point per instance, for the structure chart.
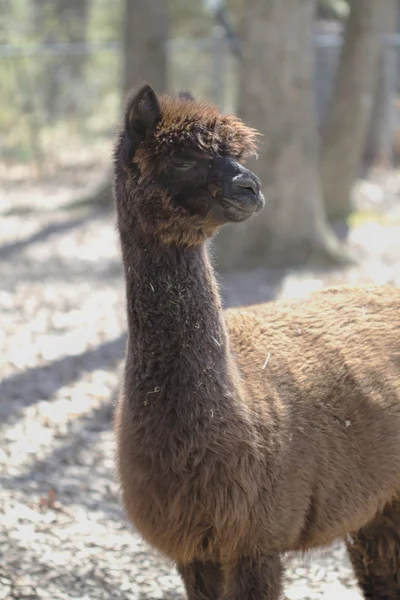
(44, 381)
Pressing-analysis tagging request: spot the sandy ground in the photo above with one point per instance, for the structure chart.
(62, 531)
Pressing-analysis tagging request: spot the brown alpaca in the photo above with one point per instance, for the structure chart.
(247, 433)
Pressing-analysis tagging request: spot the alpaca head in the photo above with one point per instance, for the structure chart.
(177, 169)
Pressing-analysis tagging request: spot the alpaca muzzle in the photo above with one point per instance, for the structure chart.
(241, 187)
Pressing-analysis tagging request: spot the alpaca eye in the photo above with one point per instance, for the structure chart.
(182, 165)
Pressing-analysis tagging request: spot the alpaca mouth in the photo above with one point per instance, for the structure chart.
(260, 202)
(240, 210)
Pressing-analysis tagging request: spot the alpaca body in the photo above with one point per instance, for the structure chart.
(244, 434)
(305, 437)
(331, 387)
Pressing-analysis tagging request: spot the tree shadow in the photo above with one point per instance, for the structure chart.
(341, 229)
(244, 288)
(52, 471)
(20, 211)
(42, 382)
(72, 271)
(7, 250)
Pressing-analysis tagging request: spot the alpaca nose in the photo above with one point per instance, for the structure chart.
(246, 183)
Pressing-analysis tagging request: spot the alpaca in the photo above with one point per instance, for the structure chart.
(247, 433)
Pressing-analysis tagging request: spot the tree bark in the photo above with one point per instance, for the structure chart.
(276, 97)
(145, 27)
(379, 146)
(145, 44)
(62, 75)
(347, 121)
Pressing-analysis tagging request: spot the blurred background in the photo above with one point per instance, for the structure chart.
(321, 82)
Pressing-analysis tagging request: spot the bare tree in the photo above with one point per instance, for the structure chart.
(61, 21)
(145, 27)
(276, 97)
(379, 146)
(145, 44)
(347, 120)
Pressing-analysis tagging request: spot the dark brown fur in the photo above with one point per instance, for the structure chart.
(247, 433)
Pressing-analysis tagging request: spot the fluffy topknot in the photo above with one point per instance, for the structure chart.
(190, 124)
(161, 125)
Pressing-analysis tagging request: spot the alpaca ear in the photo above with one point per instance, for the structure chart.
(185, 95)
(142, 114)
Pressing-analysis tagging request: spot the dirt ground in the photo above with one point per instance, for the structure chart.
(62, 531)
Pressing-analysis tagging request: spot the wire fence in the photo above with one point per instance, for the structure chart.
(62, 100)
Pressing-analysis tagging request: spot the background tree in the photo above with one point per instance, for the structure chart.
(56, 21)
(379, 145)
(145, 44)
(344, 131)
(332, 9)
(276, 97)
(145, 36)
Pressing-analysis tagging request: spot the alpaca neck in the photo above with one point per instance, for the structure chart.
(177, 349)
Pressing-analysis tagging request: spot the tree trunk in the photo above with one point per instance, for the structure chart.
(62, 75)
(347, 121)
(145, 44)
(379, 146)
(277, 97)
(145, 26)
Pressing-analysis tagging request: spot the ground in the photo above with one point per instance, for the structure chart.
(62, 531)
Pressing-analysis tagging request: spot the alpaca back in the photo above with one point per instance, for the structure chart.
(324, 373)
